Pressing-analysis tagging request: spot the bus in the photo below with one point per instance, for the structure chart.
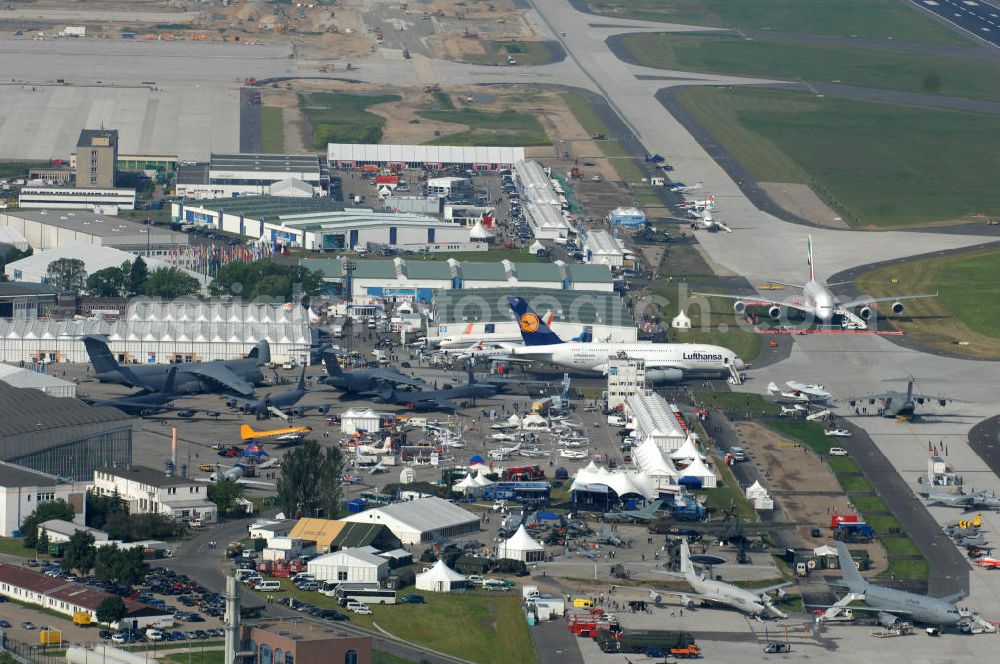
(366, 593)
(376, 498)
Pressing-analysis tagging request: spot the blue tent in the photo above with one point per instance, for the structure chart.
(562, 473)
(547, 516)
(690, 482)
(476, 459)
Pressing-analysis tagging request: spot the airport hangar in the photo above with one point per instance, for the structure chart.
(154, 332)
(324, 224)
(229, 175)
(51, 229)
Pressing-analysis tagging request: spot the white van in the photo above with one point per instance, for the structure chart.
(154, 634)
(303, 576)
(268, 586)
(617, 420)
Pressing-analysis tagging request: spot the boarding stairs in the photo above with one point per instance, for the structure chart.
(976, 623)
(735, 377)
(841, 612)
(851, 321)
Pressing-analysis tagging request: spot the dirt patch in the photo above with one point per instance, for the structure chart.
(404, 127)
(803, 485)
(802, 201)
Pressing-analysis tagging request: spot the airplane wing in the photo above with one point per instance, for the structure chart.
(242, 481)
(396, 377)
(754, 299)
(860, 301)
(771, 589)
(723, 226)
(221, 377)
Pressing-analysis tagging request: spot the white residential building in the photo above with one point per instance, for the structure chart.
(148, 491)
(23, 490)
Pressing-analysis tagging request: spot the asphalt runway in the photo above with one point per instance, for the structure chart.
(974, 17)
(251, 122)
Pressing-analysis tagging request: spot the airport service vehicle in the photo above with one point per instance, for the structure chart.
(817, 299)
(838, 451)
(838, 433)
(364, 593)
(665, 363)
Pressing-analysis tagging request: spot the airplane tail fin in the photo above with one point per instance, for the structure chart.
(812, 266)
(170, 384)
(262, 351)
(246, 432)
(534, 331)
(331, 363)
(652, 508)
(687, 568)
(100, 355)
(302, 378)
(848, 572)
(772, 388)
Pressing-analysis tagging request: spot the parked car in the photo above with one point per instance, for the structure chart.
(838, 451)
(841, 433)
(5, 624)
(412, 599)
(120, 638)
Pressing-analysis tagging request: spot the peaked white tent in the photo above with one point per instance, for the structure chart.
(479, 232)
(756, 490)
(466, 485)
(521, 547)
(698, 469)
(681, 321)
(536, 246)
(440, 579)
(688, 451)
(480, 480)
(650, 459)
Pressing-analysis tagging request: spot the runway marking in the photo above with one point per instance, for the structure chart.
(985, 29)
(970, 3)
(931, 3)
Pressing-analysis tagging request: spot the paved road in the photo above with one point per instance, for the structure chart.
(251, 122)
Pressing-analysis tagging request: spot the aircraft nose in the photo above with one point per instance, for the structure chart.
(739, 363)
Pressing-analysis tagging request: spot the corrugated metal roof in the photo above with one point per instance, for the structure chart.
(424, 514)
(430, 154)
(30, 410)
(267, 208)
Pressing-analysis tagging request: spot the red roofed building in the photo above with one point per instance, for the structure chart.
(70, 598)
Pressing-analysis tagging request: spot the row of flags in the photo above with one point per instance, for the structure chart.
(208, 258)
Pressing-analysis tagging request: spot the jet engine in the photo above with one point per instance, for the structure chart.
(865, 313)
(298, 412)
(231, 403)
(739, 307)
(655, 597)
(887, 620)
(687, 602)
(897, 307)
(323, 410)
(657, 376)
(774, 312)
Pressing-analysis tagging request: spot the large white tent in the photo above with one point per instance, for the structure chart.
(651, 461)
(689, 450)
(440, 579)
(697, 469)
(466, 485)
(353, 421)
(521, 547)
(152, 332)
(624, 482)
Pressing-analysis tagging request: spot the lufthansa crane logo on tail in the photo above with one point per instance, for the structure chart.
(529, 322)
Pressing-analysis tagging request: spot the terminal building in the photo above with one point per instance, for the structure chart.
(412, 279)
(228, 175)
(323, 224)
(468, 317)
(51, 229)
(423, 157)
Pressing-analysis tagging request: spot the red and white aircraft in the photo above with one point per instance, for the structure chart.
(988, 562)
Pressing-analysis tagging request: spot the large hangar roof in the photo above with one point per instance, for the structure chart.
(430, 154)
(424, 514)
(27, 410)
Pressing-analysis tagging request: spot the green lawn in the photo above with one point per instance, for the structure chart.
(197, 657)
(728, 493)
(900, 547)
(523, 52)
(876, 163)
(807, 433)
(906, 569)
(506, 128)
(873, 19)
(883, 524)
(15, 547)
(968, 307)
(855, 484)
(736, 402)
(342, 118)
(485, 629)
(383, 657)
(842, 464)
(868, 504)
(623, 163)
(272, 140)
(890, 69)
(722, 328)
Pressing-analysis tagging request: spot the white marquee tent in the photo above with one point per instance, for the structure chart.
(698, 469)
(521, 547)
(440, 579)
(688, 451)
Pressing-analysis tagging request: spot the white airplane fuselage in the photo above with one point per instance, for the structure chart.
(819, 300)
(692, 359)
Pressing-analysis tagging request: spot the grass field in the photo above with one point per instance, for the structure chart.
(524, 52)
(842, 464)
(807, 433)
(866, 504)
(723, 329)
(507, 128)
(890, 69)
(728, 493)
(14, 547)
(272, 140)
(383, 657)
(484, 629)
(878, 164)
(736, 402)
(623, 163)
(855, 484)
(342, 118)
(883, 524)
(906, 569)
(900, 547)
(197, 657)
(875, 19)
(968, 306)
